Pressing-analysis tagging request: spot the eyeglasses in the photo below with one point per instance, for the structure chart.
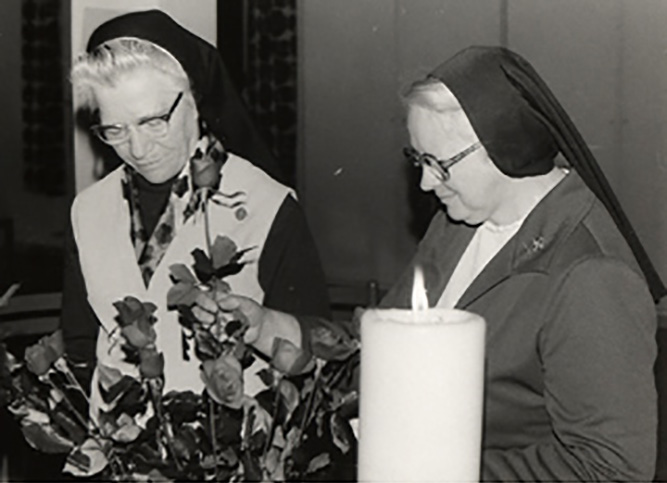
(440, 166)
(153, 126)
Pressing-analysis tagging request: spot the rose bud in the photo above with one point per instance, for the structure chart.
(39, 359)
(205, 173)
(223, 378)
(152, 363)
(138, 334)
(55, 341)
(131, 309)
(288, 358)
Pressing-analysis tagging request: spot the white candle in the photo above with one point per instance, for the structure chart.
(421, 395)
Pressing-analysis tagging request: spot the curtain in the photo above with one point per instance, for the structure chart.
(43, 97)
(271, 76)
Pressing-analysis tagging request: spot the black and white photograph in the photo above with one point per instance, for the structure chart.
(333, 240)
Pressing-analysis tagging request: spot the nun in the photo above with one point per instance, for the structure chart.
(161, 99)
(543, 251)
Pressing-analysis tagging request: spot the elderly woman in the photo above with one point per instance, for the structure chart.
(162, 100)
(545, 254)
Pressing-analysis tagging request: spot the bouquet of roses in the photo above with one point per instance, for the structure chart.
(296, 429)
(51, 407)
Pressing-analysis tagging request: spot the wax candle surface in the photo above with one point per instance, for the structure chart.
(421, 395)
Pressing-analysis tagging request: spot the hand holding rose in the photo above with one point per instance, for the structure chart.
(264, 325)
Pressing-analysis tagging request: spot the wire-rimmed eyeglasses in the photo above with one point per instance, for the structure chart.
(153, 126)
(439, 166)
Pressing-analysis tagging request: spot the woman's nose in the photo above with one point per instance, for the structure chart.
(139, 143)
(429, 179)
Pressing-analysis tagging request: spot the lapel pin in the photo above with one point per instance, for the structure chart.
(241, 214)
(536, 244)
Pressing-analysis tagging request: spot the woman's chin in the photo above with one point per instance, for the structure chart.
(462, 216)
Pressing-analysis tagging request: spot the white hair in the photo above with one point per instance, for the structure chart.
(430, 93)
(105, 65)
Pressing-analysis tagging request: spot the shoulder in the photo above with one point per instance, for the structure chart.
(574, 226)
(98, 198)
(247, 202)
(239, 173)
(592, 266)
(289, 223)
(596, 240)
(601, 294)
(102, 188)
(597, 272)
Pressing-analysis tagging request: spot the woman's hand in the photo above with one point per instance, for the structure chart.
(209, 304)
(264, 325)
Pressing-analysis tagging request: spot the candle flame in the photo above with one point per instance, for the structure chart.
(419, 300)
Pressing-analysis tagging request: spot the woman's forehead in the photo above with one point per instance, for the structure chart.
(140, 92)
(146, 75)
(450, 127)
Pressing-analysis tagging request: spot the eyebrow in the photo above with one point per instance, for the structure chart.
(138, 121)
(153, 116)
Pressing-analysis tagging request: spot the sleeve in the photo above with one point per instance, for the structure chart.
(290, 271)
(597, 351)
(78, 322)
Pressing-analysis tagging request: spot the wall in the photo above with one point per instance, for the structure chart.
(642, 164)
(356, 57)
(604, 59)
(30, 254)
(198, 16)
(10, 103)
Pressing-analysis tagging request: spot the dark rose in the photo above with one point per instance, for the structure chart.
(206, 173)
(139, 334)
(136, 320)
(223, 378)
(329, 342)
(41, 356)
(152, 363)
(55, 341)
(38, 360)
(131, 309)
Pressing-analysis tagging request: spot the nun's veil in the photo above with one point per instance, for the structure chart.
(522, 127)
(218, 102)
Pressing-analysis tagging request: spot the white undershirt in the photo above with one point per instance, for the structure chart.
(487, 241)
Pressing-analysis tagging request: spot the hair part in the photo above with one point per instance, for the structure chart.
(109, 61)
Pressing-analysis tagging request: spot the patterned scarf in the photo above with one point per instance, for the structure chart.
(150, 250)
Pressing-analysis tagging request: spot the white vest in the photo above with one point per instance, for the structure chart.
(101, 223)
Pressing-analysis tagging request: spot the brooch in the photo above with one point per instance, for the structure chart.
(535, 245)
(240, 214)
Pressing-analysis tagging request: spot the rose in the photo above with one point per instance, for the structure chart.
(288, 358)
(140, 334)
(151, 363)
(331, 342)
(223, 378)
(136, 320)
(55, 342)
(41, 356)
(38, 359)
(206, 172)
(131, 309)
